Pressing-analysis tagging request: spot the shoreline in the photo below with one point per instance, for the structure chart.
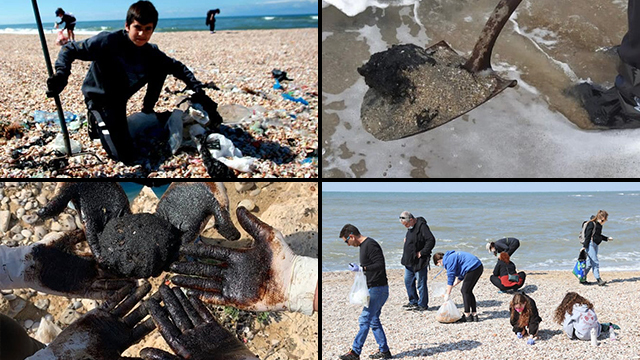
(419, 335)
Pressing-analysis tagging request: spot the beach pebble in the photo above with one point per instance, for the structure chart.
(69, 316)
(29, 219)
(244, 186)
(255, 192)
(16, 229)
(6, 292)
(5, 218)
(42, 200)
(67, 222)
(76, 305)
(248, 204)
(20, 213)
(28, 206)
(26, 233)
(55, 226)
(28, 324)
(89, 305)
(43, 304)
(10, 297)
(17, 237)
(40, 231)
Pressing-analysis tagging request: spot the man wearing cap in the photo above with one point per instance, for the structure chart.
(510, 245)
(418, 244)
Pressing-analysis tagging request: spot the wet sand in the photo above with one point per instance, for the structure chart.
(415, 335)
(238, 62)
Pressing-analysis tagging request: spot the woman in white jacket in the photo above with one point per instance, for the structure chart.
(577, 317)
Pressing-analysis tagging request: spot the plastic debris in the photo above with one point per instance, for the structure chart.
(232, 113)
(295, 99)
(139, 122)
(226, 152)
(280, 75)
(40, 116)
(58, 145)
(175, 127)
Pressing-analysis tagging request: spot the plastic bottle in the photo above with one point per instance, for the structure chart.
(612, 335)
(594, 337)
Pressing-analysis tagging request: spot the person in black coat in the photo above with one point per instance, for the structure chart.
(504, 274)
(510, 245)
(593, 238)
(418, 244)
(525, 318)
(211, 19)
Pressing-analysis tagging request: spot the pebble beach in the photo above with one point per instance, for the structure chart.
(280, 134)
(418, 335)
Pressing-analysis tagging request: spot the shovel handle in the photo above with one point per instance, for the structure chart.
(481, 57)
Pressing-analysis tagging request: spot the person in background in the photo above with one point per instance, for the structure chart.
(418, 243)
(593, 238)
(372, 263)
(461, 266)
(510, 245)
(211, 19)
(504, 274)
(524, 317)
(69, 23)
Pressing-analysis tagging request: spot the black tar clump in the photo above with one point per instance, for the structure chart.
(139, 245)
(384, 70)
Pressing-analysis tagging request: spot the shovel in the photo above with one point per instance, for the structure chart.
(412, 90)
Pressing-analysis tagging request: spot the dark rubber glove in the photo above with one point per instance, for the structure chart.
(56, 84)
(209, 106)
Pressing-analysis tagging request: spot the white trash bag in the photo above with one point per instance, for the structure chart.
(448, 312)
(438, 289)
(47, 331)
(359, 294)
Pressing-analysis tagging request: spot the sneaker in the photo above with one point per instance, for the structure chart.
(601, 282)
(351, 355)
(475, 318)
(464, 319)
(420, 308)
(381, 355)
(585, 283)
(409, 305)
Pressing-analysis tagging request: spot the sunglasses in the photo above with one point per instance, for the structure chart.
(404, 218)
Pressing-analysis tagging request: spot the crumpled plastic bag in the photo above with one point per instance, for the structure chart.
(359, 294)
(47, 331)
(448, 312)
(58, 145)
(62, 38)
(438, 289)
(226, 152)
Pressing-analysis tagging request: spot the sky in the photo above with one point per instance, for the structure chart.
(480, 187)
(21, 11)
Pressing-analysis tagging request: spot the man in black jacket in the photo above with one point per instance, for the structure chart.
(372, 263)
(123, 62)
(418, 244)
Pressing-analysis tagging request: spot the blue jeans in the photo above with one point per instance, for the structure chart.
(370, 318)
(410, 278)
(592, 260)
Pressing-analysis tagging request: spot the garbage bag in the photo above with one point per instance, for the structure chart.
(578, 270)
(174, 125)
(47, 331)
(448, 312)
(58, 145)
(359, 294)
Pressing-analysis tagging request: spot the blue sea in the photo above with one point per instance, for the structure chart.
(547, 225)
(183, 24)
(133, 189)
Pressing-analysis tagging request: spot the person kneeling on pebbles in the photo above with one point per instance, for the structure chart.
(524, 317)
(579, 320)
(123, 62)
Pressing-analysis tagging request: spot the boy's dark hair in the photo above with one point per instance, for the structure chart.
(348, 230)
(59, 12)
(144, 12)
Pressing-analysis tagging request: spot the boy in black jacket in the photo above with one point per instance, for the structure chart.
(122, 63)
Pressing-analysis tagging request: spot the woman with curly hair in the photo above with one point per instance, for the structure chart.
(524, 317)
(577, 317)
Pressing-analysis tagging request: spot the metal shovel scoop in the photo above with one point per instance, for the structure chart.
(412, 90)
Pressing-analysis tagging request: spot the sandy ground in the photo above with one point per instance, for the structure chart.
(238, 62)
(419, 335)
(283, 205)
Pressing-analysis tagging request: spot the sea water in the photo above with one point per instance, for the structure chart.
(547, 225)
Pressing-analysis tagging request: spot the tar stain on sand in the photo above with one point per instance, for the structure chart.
(139, 245)
(406, 100)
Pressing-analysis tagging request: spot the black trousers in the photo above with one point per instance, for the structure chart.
(15, 344)
(496, 281)
(109, 124)
(470, 281)
(212, 26)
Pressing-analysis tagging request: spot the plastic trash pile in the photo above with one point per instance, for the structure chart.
(40, 116)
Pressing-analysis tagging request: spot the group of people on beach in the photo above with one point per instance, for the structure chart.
(575, 313)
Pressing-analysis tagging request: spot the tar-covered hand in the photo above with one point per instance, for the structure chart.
(103, 333)
(53, 266)
(55, 84)
(209, 106)
(265, 277)
(191, 331)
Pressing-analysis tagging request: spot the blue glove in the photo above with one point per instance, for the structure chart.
(531, 342)
(354, 267)
(519, 335)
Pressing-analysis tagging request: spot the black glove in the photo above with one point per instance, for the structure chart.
(209, 106)
(56, 84)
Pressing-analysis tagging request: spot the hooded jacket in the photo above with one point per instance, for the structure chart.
(419, 239)
(594, 233)
(458, 264)
(580, 322)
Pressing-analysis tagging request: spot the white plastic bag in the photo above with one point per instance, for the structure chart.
(47, 331)
(438, 289)
(448, 312)
(359, 294)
